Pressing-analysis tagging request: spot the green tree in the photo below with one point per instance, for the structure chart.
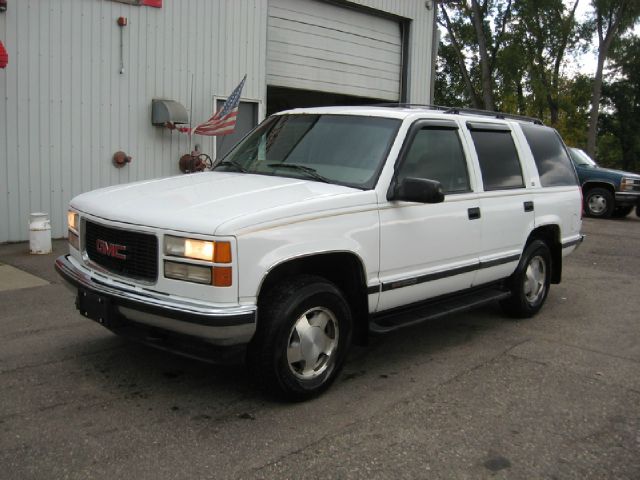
(547, 31)
(612, 18)
(619, 143)
(476, 43)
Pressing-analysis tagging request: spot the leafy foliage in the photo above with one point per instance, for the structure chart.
(620, 124)
(515, 56)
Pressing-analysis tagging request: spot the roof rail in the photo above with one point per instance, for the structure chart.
(489, 113)
(463, 110)
(411, 105)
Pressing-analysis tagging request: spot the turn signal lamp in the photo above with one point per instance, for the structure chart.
(72, 220)
(222, 276)
(223, 252)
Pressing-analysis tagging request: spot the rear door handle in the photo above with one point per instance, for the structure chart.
(474, 213)
(528, 206)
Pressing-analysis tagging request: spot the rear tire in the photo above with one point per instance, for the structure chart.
(599, 203)
(529, 284)
(621, 212)
(304, 333)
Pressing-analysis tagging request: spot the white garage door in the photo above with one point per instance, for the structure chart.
(314, 45)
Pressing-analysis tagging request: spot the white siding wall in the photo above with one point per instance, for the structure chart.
(65, 109)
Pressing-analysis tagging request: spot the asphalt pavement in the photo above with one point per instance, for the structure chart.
(472, 396)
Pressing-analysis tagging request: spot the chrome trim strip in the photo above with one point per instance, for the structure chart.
(429, 277)
(571, 243)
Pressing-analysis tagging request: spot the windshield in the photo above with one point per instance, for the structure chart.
(581, 158)
(342, 149)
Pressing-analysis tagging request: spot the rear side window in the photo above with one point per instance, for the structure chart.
(553, 162)
(498, 158)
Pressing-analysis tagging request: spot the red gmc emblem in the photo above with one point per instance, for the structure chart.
(111, 249)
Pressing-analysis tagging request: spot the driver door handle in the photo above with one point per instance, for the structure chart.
(474, 213)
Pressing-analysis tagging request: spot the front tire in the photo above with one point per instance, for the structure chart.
(529, 284)
(599, 203)
(304, 333)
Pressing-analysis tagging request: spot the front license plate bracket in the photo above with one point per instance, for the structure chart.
(96, 307)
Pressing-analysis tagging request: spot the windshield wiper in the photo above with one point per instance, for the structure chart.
(232, 163)
(311, 172)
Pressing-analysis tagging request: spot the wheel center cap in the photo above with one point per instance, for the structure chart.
(313, 342)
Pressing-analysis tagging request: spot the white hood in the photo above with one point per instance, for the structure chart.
(203, 202)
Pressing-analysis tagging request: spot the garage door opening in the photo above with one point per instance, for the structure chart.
(281, 98)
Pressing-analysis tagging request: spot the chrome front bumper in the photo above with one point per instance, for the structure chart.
(216, 325)
(628, 198)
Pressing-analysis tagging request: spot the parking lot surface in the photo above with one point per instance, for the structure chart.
(474, 395)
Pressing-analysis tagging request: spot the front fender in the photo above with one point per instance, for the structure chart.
(261, 251)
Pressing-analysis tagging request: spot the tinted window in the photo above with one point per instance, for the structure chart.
(343, 149)
(498, 159)
(554, 165)
(437, 154)
(579, 157)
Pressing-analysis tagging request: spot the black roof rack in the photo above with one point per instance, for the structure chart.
(464, 110)
(489, 113)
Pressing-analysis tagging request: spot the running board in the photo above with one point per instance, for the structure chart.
(439, 307)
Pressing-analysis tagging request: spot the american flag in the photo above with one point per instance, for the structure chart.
(224, 120)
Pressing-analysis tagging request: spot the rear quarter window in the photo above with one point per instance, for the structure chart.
(498, 157)
(551, 157)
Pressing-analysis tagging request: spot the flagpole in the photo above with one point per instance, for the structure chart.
(219, 147)
(191, 114)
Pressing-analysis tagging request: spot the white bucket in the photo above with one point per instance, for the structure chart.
(39, 233)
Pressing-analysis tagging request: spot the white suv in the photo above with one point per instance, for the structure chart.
(324, 225)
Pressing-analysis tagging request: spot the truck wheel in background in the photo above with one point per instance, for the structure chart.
(621, 212)
(302, 339)
(529, 284)
(599, 203)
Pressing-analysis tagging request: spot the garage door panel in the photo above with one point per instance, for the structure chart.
(333, 87)
(335, 66)
(289, 41)
(372, 28)
(321, 46)
(296, 70)
(329, 77)
(312, 35)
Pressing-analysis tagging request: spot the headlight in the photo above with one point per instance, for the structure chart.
(219, 252)
(187, 272)
(73, 219)
(189, 247)
(628, 183)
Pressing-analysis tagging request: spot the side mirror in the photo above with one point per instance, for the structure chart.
(419, 190)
